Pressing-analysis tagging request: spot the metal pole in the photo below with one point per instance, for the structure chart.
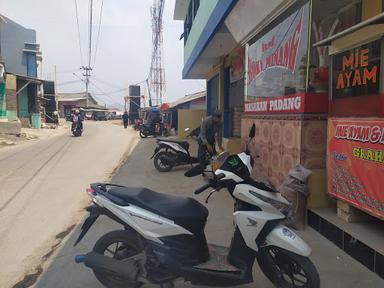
(86, 88)
(88, 68)
(54, 87)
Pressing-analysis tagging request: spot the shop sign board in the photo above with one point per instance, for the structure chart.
(356, 72)
(284, 104)
(276, 62)
(356, 162)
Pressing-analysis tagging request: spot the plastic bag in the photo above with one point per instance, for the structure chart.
(295, 190)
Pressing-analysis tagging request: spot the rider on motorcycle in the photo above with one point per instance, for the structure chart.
(77, 119)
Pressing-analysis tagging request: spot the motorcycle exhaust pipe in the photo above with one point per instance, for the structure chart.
(124, 268)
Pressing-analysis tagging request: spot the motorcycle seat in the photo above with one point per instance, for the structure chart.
(186, 212)
(184, 144)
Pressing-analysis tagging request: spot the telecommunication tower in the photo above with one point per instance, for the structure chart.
(157, 73)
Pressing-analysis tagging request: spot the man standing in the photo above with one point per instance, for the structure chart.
(125, 119)
(211, 131)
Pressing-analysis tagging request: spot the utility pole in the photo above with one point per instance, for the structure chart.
(125, 103)
(87, 69)
(56, 101)
(87, 74)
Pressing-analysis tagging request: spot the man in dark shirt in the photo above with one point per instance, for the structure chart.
(211, 131)
(125, 119)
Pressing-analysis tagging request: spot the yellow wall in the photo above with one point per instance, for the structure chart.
(188, 119)
(371, 8)
(318, 196)
(232, 145)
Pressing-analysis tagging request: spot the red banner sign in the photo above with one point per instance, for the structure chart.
(356, 163)
(285, 104)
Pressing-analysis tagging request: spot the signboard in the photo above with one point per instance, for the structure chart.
(277, 61)
(356, 72)
(284, 104)
(134, 102)
(356, 163)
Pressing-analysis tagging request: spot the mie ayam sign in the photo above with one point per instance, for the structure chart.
(356, 162)
(355, 70)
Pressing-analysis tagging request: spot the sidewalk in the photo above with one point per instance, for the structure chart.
(336, 268)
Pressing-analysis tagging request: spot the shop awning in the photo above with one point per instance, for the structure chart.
(378, 19)
(28, 78)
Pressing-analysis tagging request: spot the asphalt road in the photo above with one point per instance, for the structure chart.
(337, 269)
(42, 191)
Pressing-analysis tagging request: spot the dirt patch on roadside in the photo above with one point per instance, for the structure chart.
(9, 140)
(31, 278)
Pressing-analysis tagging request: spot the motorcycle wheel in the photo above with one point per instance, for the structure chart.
(286, 269)
(160, 164)
(119, 245)
(77, 133)
(143, 133)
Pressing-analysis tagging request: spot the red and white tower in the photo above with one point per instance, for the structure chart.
(157, 73)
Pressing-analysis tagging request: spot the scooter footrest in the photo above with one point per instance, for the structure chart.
(218, 260)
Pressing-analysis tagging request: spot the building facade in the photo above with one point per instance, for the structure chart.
(69, 101)
(308, 73)
(21, 57)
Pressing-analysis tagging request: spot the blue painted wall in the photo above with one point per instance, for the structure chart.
(13, 38)
(216, 18)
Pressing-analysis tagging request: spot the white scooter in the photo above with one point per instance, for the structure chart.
(164, 238)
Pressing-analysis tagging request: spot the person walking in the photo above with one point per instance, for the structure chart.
(125, 119)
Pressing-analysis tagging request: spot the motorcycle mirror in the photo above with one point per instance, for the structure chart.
(194, 171)
(252, 132)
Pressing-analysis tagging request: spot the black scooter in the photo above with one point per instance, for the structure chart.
(170, 153)
(77, 129)
(147, 130)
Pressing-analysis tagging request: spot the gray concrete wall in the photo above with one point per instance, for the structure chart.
(12, 39)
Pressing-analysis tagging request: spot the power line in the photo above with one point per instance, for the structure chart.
(78, 34)
(105, 94)
(67, 82)
(90, 32)
(98, 33)
(108, 83)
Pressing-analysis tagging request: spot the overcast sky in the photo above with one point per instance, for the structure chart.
(124, 50)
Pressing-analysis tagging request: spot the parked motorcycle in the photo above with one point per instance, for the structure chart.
(147, 130)
(163, 237)
(137, 124)
(76, 129)
(172, 152)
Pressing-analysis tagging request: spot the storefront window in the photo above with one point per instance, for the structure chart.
(277, 61)
(356, 72)
(329, 18)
